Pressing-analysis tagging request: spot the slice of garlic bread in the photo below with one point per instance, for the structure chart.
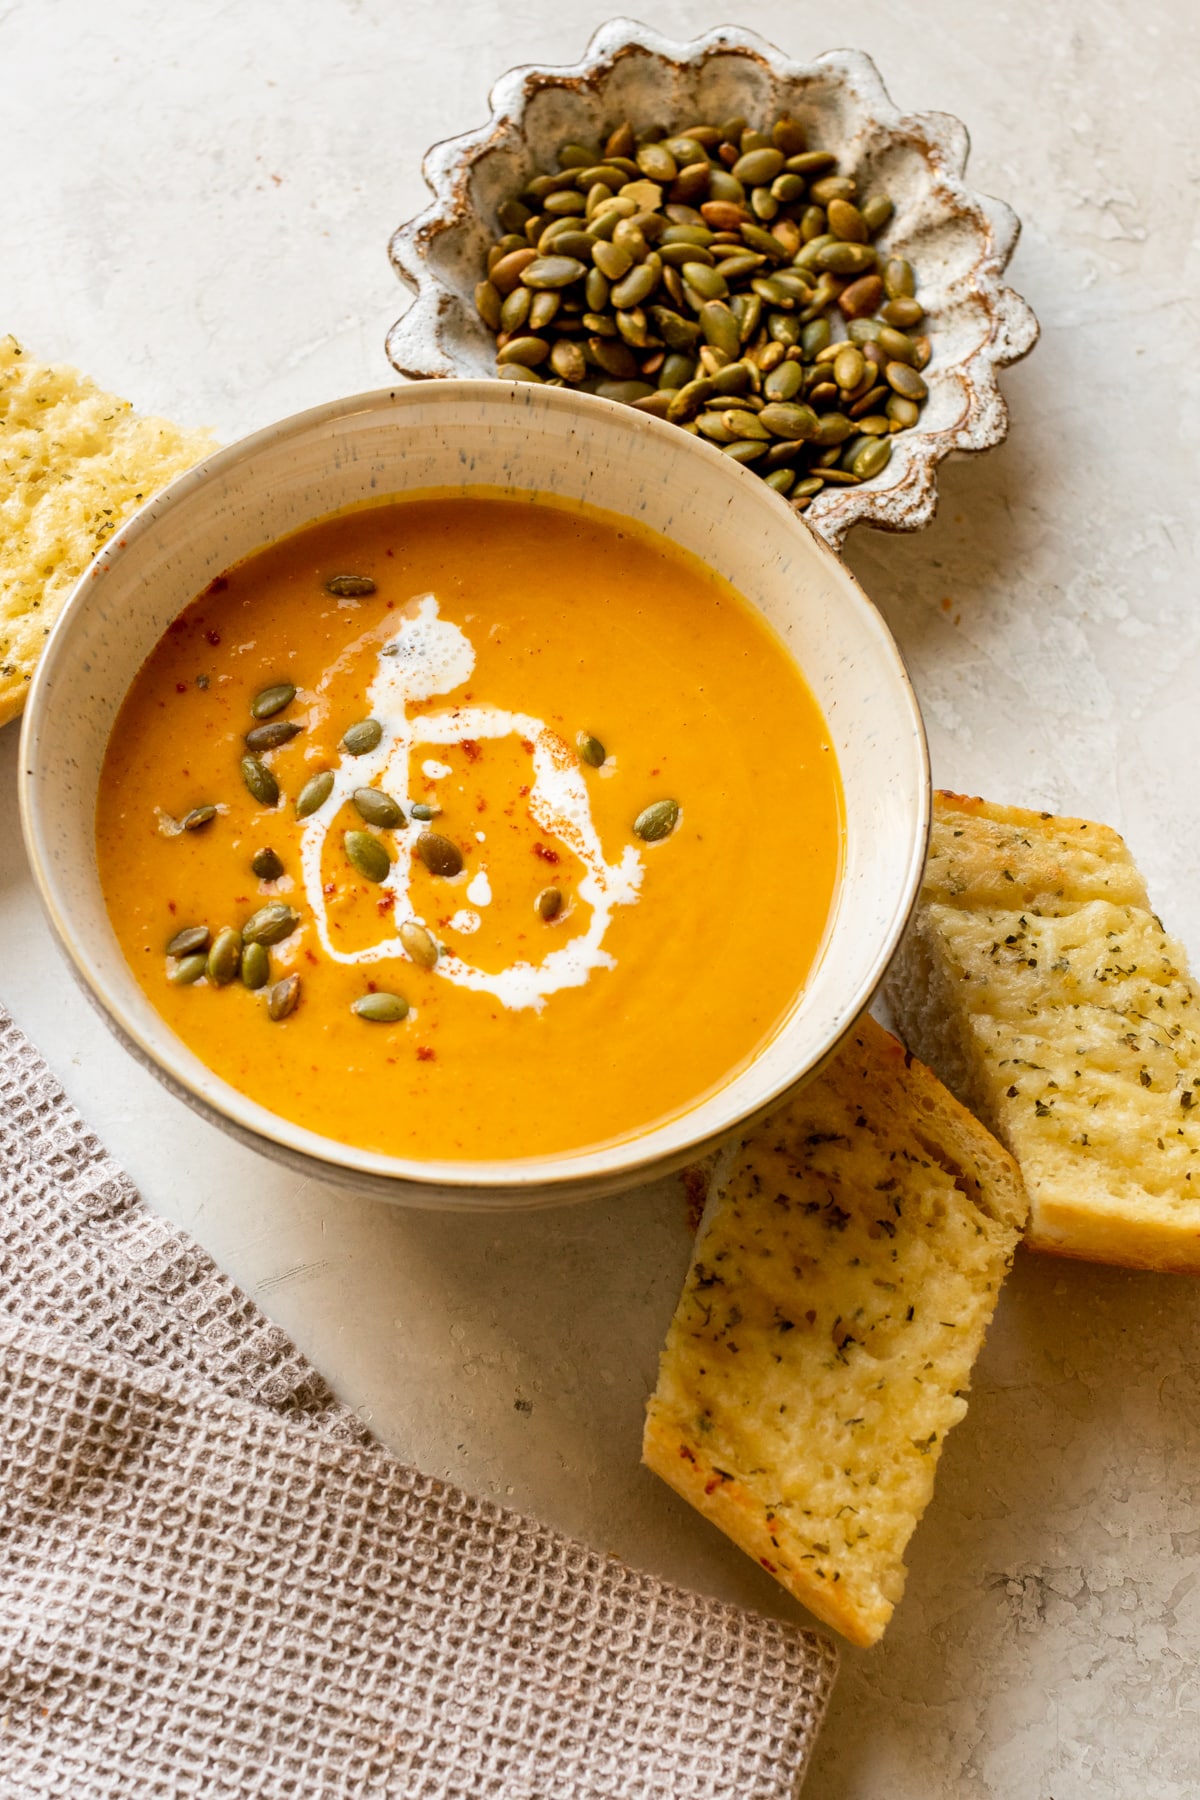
(75, 462)
(1038, 983)
(844, 1273)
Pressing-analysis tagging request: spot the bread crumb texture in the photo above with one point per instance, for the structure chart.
(1038, 983)
(75, 462)
(844, 1274)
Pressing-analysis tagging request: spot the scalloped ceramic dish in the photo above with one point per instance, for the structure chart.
(958, 240)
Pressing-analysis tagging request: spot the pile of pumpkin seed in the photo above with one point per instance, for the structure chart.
(722, 278)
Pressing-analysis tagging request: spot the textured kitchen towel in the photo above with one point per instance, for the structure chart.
(213, 1583)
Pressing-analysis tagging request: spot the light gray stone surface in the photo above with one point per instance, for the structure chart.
(197, 204)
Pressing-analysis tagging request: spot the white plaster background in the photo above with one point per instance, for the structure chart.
(196, 204)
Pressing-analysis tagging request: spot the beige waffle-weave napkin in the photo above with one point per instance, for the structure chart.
(214, 1583)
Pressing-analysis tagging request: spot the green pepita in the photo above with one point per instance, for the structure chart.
(283, 998)
(745, 450)
(611, 260)
(902, 313)
(352, 587)
(368, 855)
(418, 944)
(198, 818)
(639, 284)
(225, 957)
(377, 808)
(872, 458)
(757, 167)
(423, 811)
(849, 368)
(188, 969)
(488, 304)
(657, 821)
(625, 391)
(515, 309)
(876, 211)
(314, 793)
(596, 289)
(361, 738)
(846, 222)
(271, 700)
(260, 781)
(784, 382)
(381, 1009)
(706, 282)
(899, 281)
(271, 736)
(549, 904)
(905, 381)
(271, 924)
(189, 940)
(815, 337)
(256, 966)
(720, 327)
(790, 419)
(439, 855)
(902, 412)
(554, 271)
(591, 750)
(266, 864)
(523, 352)
(841, 258)
(568, 361)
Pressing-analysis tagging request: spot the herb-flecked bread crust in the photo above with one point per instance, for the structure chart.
(75, 463)
(845, 1270)
(1036, 980)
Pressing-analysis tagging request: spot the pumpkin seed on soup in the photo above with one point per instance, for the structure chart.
(350, 587)
(418, 944)
(549, 903)
(266, 864)
(272, 700)
(273, 735)
(591, 750)
(198, 818)
(188, 969)
(368, 855)
(381, 1009)
(314, 793)
(377, 808)
(283, 998)
(439, 855)
(256, 966)
(657, 821)
(225, 957)
(189, 940)
(423, 811)
(271, 924)
(362, 737)
(260, 781)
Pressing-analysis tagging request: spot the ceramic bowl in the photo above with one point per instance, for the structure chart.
(958, 240)
(520, 438)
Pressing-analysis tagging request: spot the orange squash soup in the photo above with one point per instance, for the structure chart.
(467, 826)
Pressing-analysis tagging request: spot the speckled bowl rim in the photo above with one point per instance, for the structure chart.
(518, 1183)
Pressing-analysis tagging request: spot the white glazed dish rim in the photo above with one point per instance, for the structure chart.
(524, 1182)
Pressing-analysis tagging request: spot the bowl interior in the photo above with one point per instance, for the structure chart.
(522, 438)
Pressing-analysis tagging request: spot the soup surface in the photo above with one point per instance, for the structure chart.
(539, 675)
